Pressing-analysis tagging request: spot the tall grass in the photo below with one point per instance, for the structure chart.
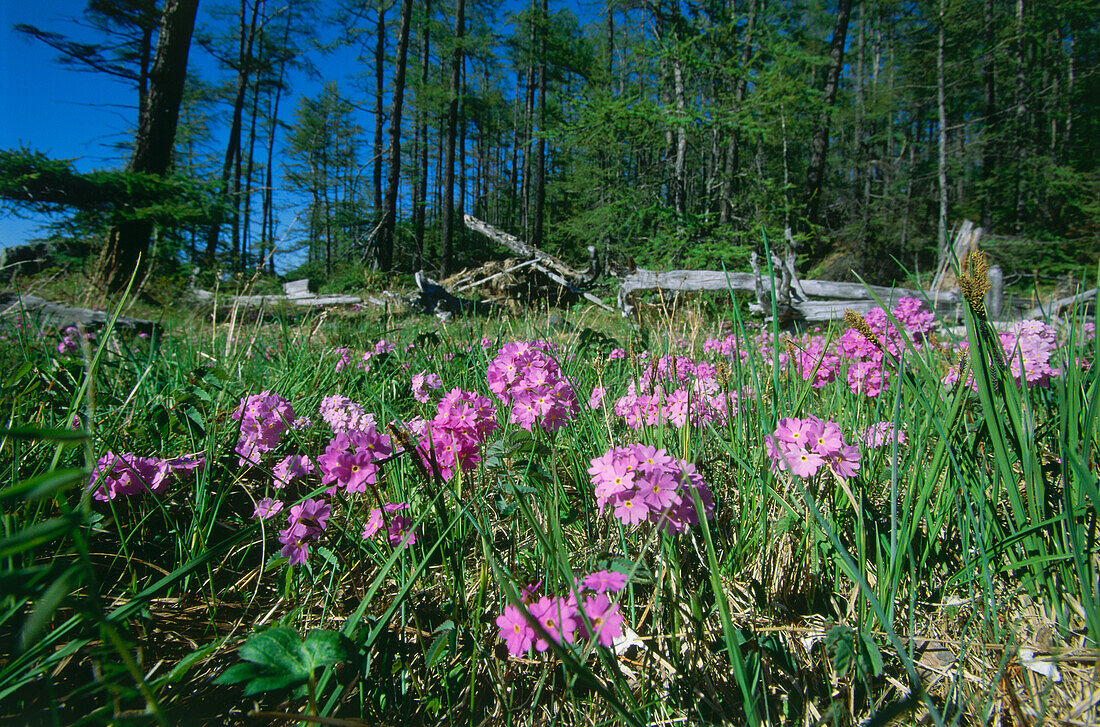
(941, 582)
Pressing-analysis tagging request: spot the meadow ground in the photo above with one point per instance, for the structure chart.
(574, 519)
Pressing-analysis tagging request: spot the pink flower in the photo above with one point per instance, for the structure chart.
(605, 618)
(883, 434)
(557, 617)
(267, 508)
(516, 632)
(595, 399)
(290, 468)
(605, 581)
(632, 511)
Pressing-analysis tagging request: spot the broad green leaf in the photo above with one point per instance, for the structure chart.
(321, 648)
(278, 648)
(44, 609)
(271, 681)
(42, 485)
(36, 535)
(53, 435)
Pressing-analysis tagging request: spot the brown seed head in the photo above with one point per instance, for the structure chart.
(974, 282)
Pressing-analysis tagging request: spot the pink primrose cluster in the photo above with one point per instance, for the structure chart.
(344, 415)
(351, 459)
(70, 340)
(264, 418)
(883, 434)
(381, 347)
(728, 346)
(452, 438)
(343, 358)
(803, 446)
(677, 390)
(525, 377)
(129, 474)
(290, 468)
(1028, 347)
(267, 508)
(398, 526)
(305, 524)
(643, 484)
(562, 618)
(423, 381)
(810, 358)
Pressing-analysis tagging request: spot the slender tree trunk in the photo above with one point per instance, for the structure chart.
(540, 148)
(420, 213)
(233, 147)
(1019, 119)
(447, 202)
(379, 91)
(384, 260)
(941, 113)
(819, 145)
(128, 242)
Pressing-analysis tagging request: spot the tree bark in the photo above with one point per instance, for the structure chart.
(379, 90)
(540, 147)
(129, 241)
(941, 113)
(819, 145)
(384, 260)
(233, 147)
(447, 203)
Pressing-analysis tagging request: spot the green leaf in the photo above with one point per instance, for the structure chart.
(321, 648)
(278, 648)
(35, 535)
(270, 681)
(42, 485)
(54, 435)
(237, 673)
(44, 609)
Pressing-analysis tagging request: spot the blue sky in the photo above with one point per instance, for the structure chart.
(84, 116)
(68, 115)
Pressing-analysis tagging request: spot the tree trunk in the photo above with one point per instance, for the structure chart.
(233, 147)
(941, 112)
(420, 211)
(129, 241)
(819, 145)
(540, 148)
(384, 260)
(379, 90)
(447, 202)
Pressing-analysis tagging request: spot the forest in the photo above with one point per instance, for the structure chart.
(666, 133)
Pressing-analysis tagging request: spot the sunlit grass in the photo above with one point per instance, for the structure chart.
(950, 577)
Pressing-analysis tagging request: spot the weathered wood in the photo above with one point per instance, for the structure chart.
(435, 299)
(255, 301)
(521, 248)
(966, 240)
(565, 284)
(995, 298)
(12, 305)
(1056, 307)
(297, 289)
(476, 283)
(694, 280)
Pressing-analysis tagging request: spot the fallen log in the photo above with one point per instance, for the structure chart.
(521, 248)
(434, 299)
(256, 301)
(12, 305)
(840, 293)
(1055, 307)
